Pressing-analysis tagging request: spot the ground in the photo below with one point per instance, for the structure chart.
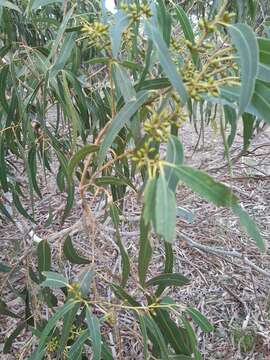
(233, 295)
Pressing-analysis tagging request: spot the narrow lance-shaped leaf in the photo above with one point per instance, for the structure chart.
(121, 22)
(71, 254)
(249, 225)
(174, 279)
(44, 256)
(123, 81)
(94, 330)
(118, 122)
(165, 210)
(200, 319)
(206, 186)
(54, 280)
(188, 31)
(175, 155)
(145, 250)
(166, 61)
(246, 43)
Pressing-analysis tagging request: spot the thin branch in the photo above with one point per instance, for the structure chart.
(224, 253)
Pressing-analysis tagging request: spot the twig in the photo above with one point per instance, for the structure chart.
(224, 253)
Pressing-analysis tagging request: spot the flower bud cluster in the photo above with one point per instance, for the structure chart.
(136, 12)
(97, 33)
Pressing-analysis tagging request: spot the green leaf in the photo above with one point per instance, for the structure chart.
(77, 347)
(149, 200)
(118, 122)
(4, 268)
(260, 103)
(248, 127)
(169, 279)
(166, 61)
(44, 256)
(85, 279)
(246, 43)
(54, 280)
(144, 334)
(165, 210)
(192, 338)
(79, 156)
(188, 31)
(71, 254)
(175, 335)
(200, 320)
(175, 155)
(168, 268)
(9, 5)
(48, 328)
(124, 296)
(206, 186)
(109, 180)
(157, 334)
(94, 330)
(121, 22)
(66, 328)
(145, 250)
(123, 81)
(264, 50)
(250, 227)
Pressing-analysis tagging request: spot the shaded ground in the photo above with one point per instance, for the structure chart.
(234, 297)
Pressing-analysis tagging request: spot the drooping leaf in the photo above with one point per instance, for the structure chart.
(144, 334)
(246, 43)
(118, 122)
(165, 210)
(175, 155)
(94, 330)
(79, 156)
(145, 250)
(175, 335)
(200, 320)
(188, 31)
(149, 200)
(54, 280)
(121, 22)
(248, 127)
(166, 61)
(44, 256)
(38, 355)
(157, 334)
(169, 279)
(85, 279)
(250, 226)
(66, 328)
(206, 186)
(124, 82)
(71, 254)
